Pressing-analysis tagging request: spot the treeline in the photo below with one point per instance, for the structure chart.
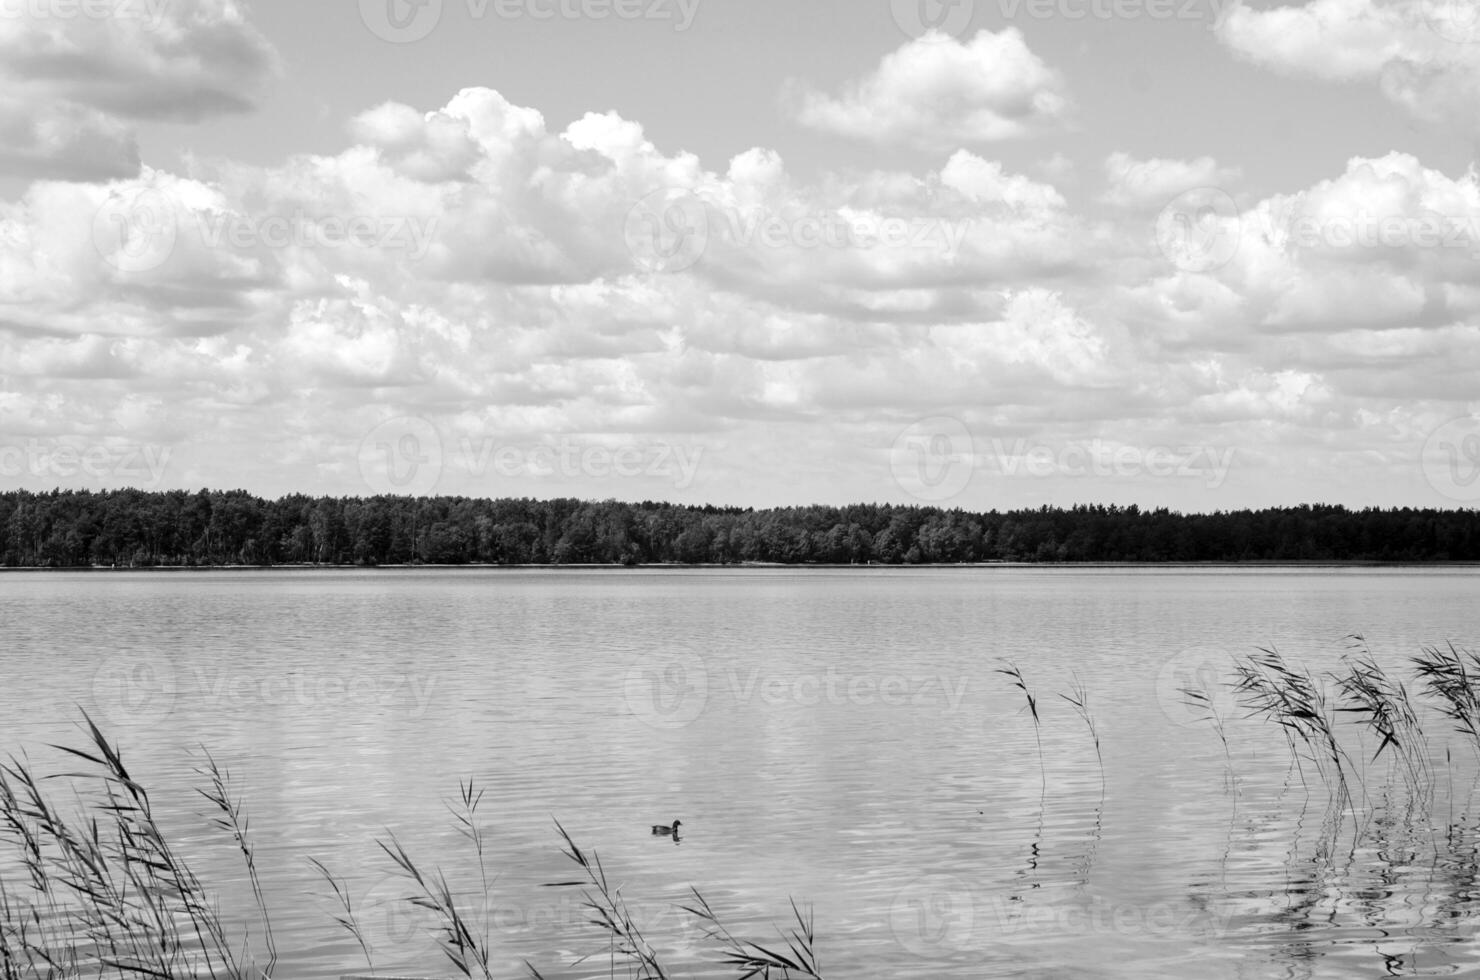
(178, 528)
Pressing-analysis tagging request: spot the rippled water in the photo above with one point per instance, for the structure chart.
(840, 736)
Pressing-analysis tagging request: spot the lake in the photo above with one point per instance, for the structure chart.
(843, 737)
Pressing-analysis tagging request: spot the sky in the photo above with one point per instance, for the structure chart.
(968, 253)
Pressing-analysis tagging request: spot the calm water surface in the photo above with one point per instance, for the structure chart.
(841, 737)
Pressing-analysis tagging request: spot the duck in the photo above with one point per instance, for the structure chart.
(664, 830)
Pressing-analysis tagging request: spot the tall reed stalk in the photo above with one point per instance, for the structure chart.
(1078, 698)
(1012, 671)
(1201, 700)
(1452, 678)
(233, 819)
(612, 916)
(468, 948)
(1381, 703)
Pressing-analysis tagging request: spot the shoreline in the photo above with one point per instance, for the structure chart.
(742, 566)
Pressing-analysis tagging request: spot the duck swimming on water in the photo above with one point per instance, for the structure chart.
(664, 830)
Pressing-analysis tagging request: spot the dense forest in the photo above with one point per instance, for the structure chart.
(138, 529)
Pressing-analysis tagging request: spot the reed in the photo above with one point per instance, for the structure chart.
(794, 958)
(1078, 698)
(1297, 702)
(466, 942)
(465, 817)
(1451, 677)
(101, 891)
(347, 919)
(1382, 705)
(94, 888)
(233, 819)
(1012, 671)
(467, 949)
(613, 917)
(799, 960)
(1201, 701)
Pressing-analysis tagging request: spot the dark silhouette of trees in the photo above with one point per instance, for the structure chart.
(132, 528)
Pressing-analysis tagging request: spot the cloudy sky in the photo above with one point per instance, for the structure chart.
(986, 254)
